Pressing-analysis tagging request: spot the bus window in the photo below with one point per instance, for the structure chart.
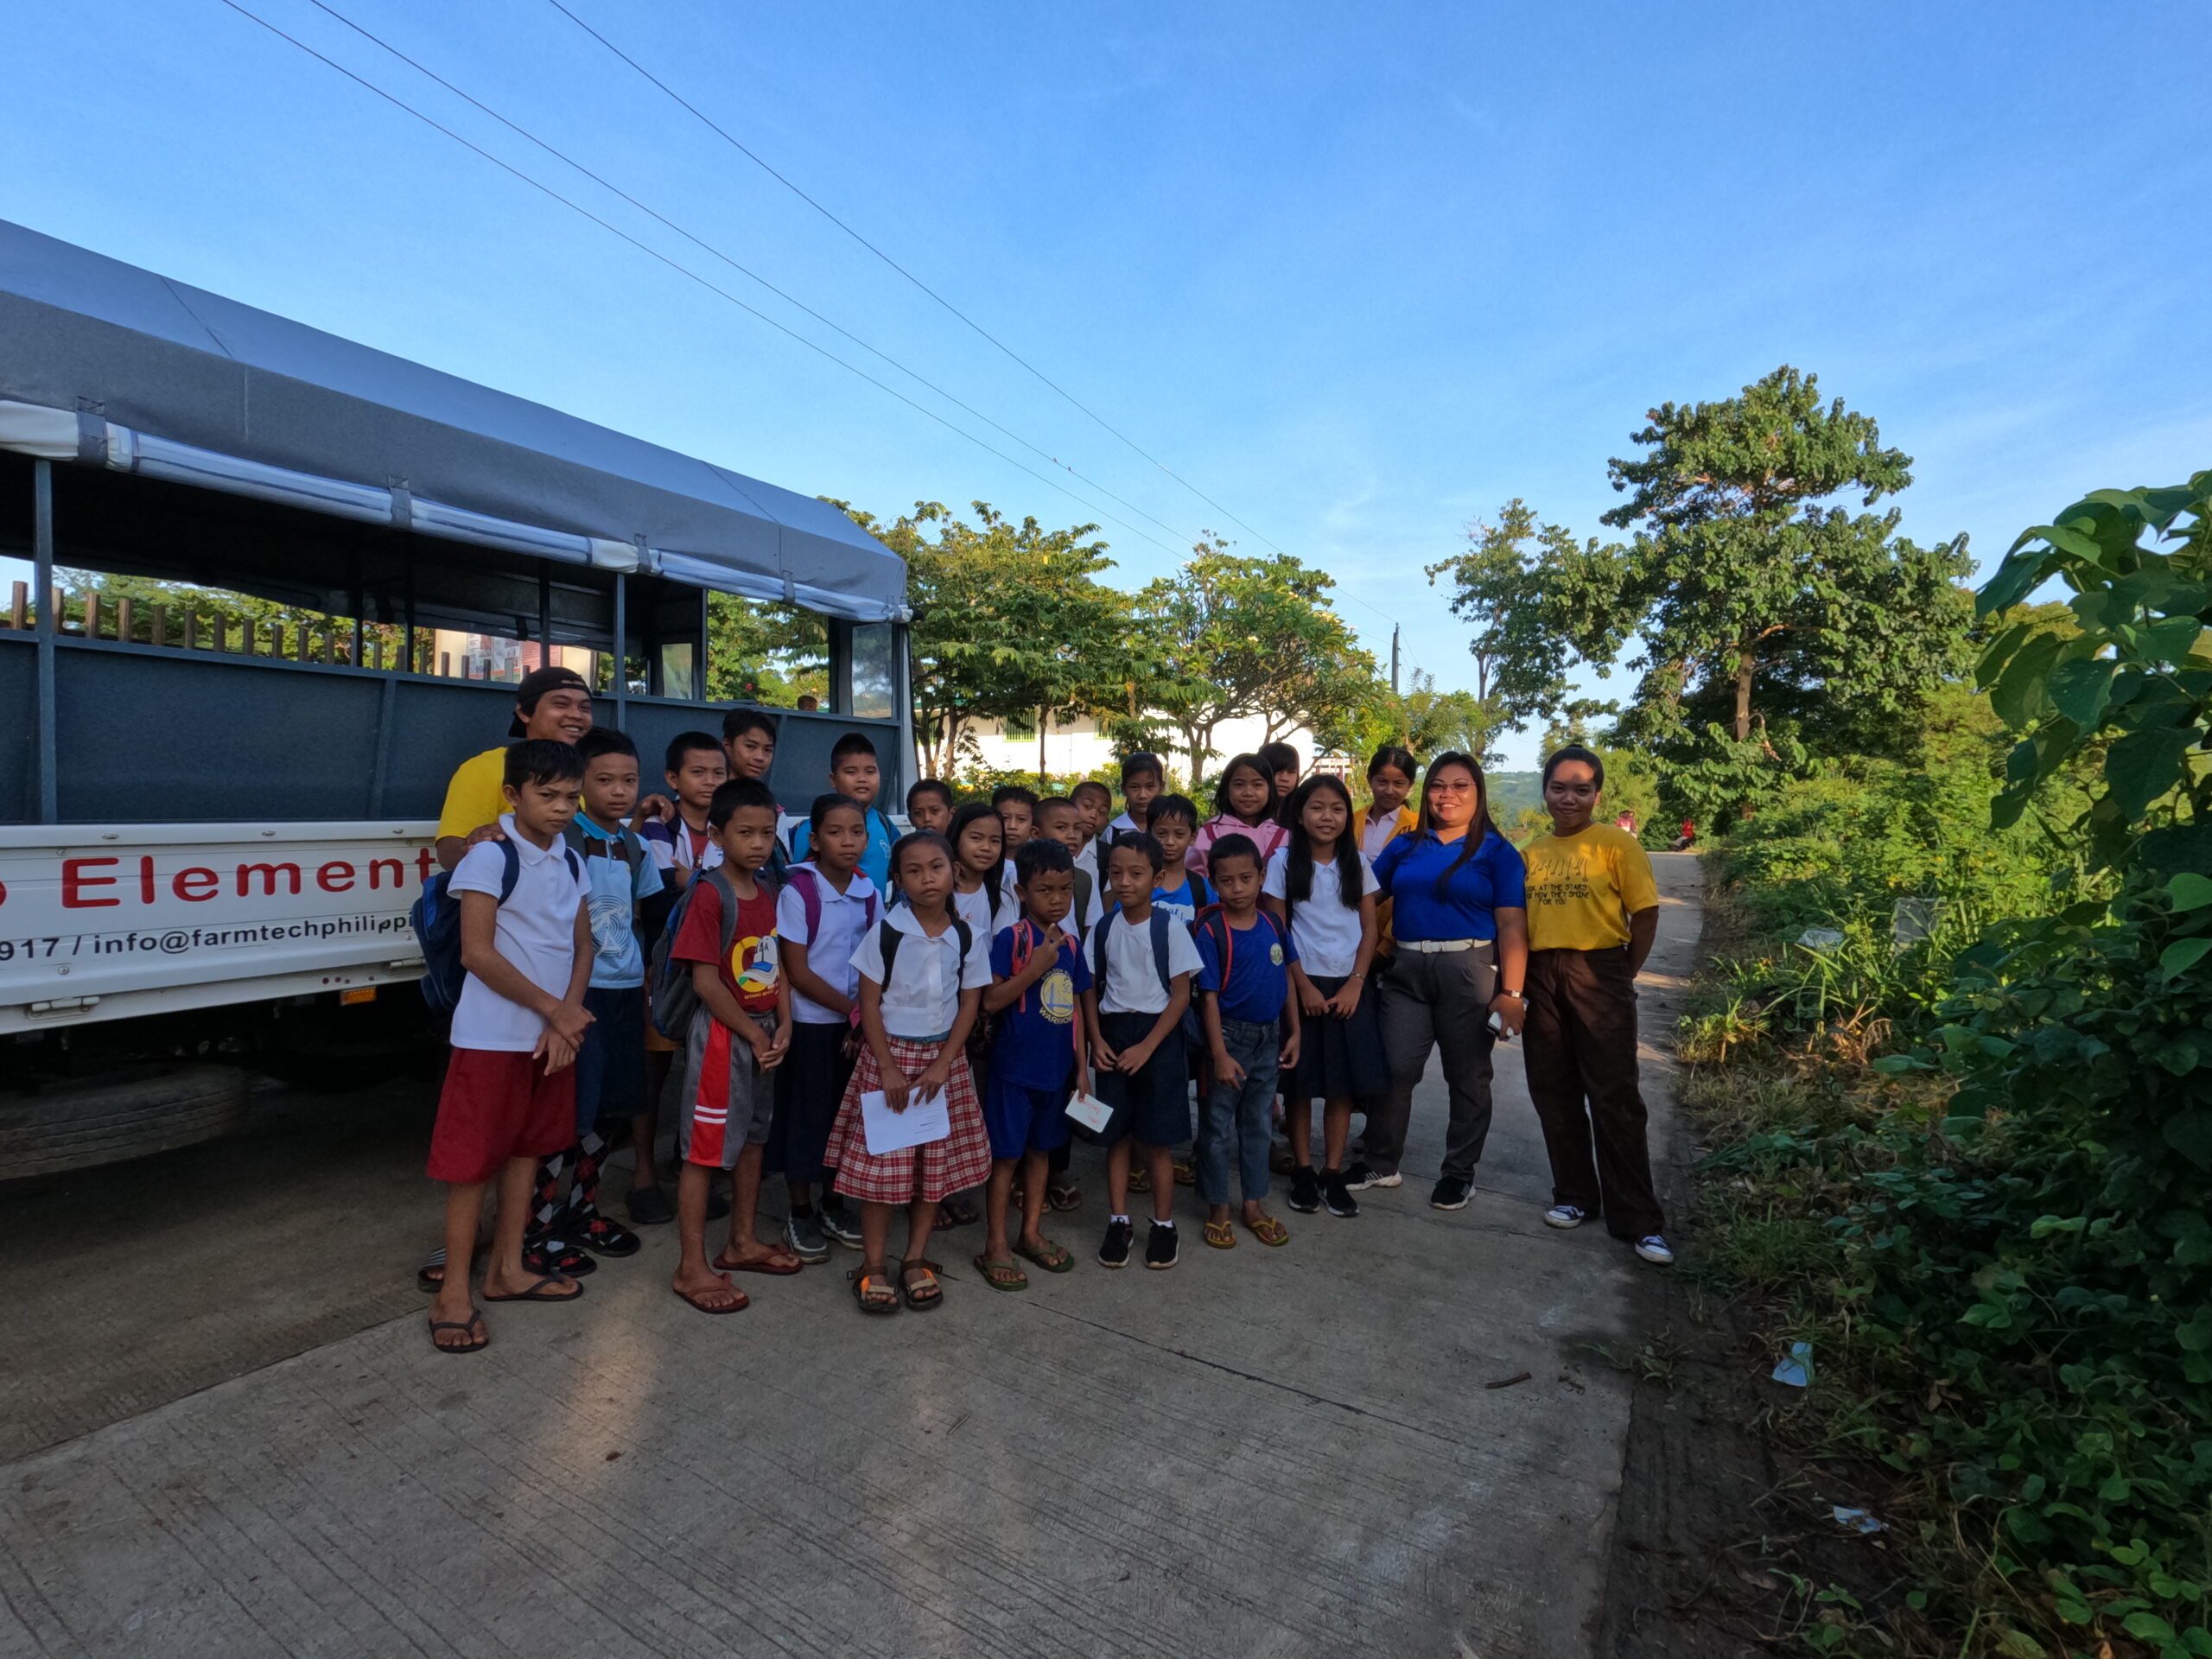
(873, 672)
(767, 653)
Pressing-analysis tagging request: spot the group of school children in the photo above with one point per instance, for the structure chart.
(1042, 969)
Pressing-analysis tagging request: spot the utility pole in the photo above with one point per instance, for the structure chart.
(1394, 659)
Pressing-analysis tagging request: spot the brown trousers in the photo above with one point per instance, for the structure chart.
(1579, 1049)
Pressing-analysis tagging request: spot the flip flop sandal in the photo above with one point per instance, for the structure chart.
(1268, 1230)
(874, 1291)
(925, 1297)
(778, 1264)
(1221, 1235)
(1052, 1258)
(1186, 1175)
(697, 1301)
(553, 1256)
(1002, 1275)
(537, 1292)
(479, 1339)
(1064, 1199)
(1139, 1180)
(432, 1273)
(602, 1235)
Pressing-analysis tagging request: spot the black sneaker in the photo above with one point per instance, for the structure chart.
(1304, 1190)
(601, 1235)
(1115, 1251)
(1358, 1176)
(1159, 1247)
(1336, 1194)
(1451, 1193)
(649, 1207)
(841, 1226)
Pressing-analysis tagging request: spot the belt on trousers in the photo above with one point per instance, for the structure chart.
(1437, 947)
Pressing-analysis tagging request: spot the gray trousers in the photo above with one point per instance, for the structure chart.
(1431, 1000)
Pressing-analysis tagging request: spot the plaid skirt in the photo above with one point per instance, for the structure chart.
(934, 1172)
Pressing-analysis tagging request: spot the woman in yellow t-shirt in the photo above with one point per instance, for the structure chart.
(1593, 911)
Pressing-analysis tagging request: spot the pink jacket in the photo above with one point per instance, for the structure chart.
(1266, 837)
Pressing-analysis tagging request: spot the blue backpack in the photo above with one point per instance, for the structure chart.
(436, 918)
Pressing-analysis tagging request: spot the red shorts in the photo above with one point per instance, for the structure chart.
(498, 1106)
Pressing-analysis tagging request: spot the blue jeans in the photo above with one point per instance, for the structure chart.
(1238, 1113)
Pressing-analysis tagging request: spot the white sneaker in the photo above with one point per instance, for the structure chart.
(1392, 1180)
(1566, 1215)
(1652, 1248)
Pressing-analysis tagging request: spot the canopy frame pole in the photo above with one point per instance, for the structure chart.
(49, 782)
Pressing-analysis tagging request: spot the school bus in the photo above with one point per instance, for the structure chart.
(265, 588)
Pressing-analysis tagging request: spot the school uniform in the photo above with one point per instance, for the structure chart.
(1438, 990)
(1247, 972)
(499, 1101)
(875, 857)
(1337, 1059)
(728, 1102)
(1581, 1040)
(921, 1000)
(1265, 836)
(1034, 1060)
(1123, 825)
(1185, 899)
(1125, 968)
(810, 1083)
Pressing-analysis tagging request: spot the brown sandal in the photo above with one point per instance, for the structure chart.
(925, 1296)
(874, 1291)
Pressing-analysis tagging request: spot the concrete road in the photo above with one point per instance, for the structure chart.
(230, 1436)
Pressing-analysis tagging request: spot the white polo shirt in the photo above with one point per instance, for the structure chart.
(924, 998)
(535, 933)
(1326, 932)
(1132, 982)
(829, 947)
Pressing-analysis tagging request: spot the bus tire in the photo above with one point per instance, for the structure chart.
(77, 1123)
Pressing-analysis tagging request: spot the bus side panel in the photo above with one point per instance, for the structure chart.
(159, 737)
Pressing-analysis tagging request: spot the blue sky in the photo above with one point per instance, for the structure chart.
(1360, 274)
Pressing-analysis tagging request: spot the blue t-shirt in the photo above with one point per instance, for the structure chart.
(1493, 879)
(875, 861)
(1035, 1044)
(1257, 967)
(1184, 900)
(618, 961)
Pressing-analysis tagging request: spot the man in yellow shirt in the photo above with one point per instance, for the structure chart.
(550, 702)
(1593, 911)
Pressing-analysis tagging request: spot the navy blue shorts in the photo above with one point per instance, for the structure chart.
(611, 1064)
(1157, 1099)
(1024, 1120)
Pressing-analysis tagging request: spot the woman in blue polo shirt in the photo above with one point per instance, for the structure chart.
(1460, 915)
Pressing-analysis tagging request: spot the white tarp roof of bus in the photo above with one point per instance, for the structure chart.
(87, 334)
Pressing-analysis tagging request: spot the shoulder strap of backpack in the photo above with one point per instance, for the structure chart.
(727, 894)
(1201, 894)
(1224, 938)
(803, 882)
(966, 935)
(1098, 949)
(510, 869)
(1160, 923)
(887, 937)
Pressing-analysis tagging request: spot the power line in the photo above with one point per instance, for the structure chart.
(745, 270)
(399, 102)
(728, 138)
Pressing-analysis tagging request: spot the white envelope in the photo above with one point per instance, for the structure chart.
(925, 1119)
(1089, 1110)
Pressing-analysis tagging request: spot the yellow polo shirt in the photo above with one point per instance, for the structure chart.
(1582, 889)
(476, 796)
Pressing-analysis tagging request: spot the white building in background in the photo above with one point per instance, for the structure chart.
(1080, 747)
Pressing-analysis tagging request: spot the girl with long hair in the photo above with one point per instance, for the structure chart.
(1322, 886)
(1245, 803)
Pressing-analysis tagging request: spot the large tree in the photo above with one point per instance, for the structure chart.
(1011, 624)
(1769, 614)
(1248, 636)
(1528, 590)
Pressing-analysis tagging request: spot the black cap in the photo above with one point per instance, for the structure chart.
(535, 683)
